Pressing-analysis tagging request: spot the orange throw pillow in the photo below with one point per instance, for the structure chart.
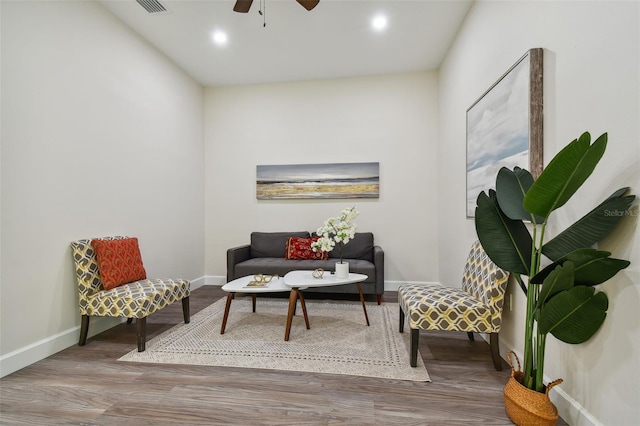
(119, 261)
(300, 248)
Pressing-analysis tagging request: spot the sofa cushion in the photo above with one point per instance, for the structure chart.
(281, 266)
(272, 244)
(119, 261)
(300, 248)
(360, 247)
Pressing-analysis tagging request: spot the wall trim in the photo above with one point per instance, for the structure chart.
(25, 356)
(197, 283)
(218, 280)
(394, 285)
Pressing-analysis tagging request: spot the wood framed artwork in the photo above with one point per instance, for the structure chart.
(333, 180)
(504, 127)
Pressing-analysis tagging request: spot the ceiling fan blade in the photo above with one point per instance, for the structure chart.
(242, 6)
(308, 4)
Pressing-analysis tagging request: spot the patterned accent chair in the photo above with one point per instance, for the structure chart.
(137, 300)
(477, 307)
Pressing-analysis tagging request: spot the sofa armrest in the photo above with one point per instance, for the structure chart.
(236, 255)
(378, 261)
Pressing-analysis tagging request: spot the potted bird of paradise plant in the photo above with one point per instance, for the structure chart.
(559, 275)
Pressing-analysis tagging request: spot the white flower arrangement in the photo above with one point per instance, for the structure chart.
(337, 230)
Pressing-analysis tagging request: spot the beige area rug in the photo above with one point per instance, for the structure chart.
(339, 341)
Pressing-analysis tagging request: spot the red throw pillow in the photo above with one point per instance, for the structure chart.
(300, 248)
(119, 261)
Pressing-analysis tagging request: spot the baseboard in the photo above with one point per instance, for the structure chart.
(568, 408)
(197, 283)
(20, 358)
(215, 280)
(394, 285)
(571, 410)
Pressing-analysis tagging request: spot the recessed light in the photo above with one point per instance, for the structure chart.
(379, 22)
(219, 37)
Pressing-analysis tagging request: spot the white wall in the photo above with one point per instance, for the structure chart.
(591, 83)
(389, 119)
(101, 135)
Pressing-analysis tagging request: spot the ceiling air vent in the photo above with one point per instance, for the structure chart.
(152, 6)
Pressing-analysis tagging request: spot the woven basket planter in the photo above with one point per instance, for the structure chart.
(525, 406)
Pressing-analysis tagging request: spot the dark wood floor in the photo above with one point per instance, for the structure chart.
(86, 385)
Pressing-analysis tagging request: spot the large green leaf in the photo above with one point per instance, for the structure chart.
(560, 279)
(511, 186)
(574, 315)
(598, 271)
(566, 172)
(592, 267)
(506, 241)
(591, 228)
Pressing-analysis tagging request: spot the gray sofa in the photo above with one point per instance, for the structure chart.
(266, 254)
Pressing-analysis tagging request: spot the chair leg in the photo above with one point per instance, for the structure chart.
(415, 334)
(401, 320)
(495, 351)
(141, 324)
(379, 299)
(470, 335)
(84, 330)
(185, 310)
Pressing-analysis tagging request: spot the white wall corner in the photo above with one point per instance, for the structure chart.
(198, 282)
(218, 280)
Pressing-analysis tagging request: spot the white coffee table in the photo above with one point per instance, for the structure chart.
(300, 280)
(239, 285)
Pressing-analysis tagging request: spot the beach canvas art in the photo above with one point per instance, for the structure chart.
(333, 180)
(498, 128)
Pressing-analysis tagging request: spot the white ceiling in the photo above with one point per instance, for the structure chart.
(333, 40)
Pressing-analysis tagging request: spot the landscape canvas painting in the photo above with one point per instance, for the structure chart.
(333, 180)
(498, 128)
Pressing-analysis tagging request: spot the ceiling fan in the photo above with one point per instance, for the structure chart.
(243, 6)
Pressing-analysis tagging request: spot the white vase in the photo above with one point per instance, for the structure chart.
(342, 270)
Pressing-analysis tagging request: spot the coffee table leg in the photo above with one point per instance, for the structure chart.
(293, 299)
(364, 307)
(226, 312)
(304, 309)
